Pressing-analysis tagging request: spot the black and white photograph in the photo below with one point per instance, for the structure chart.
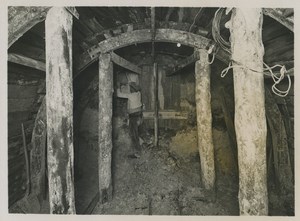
(159, 110)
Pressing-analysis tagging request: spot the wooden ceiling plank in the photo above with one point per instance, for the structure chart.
(82, 27)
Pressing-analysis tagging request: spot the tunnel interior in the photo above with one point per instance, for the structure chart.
(165, 179)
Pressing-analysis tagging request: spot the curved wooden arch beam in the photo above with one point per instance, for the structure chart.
(139, 36)
(278, 15)
(22, 19)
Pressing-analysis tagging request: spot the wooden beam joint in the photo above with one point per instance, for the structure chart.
(125, 64)
(182, 64)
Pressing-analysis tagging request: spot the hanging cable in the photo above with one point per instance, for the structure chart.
(225, 45)
(195, 19)
(213, 58)
(276, 79)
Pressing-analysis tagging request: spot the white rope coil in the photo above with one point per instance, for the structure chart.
(276, 79)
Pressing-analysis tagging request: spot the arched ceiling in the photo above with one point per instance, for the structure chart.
(97, 25)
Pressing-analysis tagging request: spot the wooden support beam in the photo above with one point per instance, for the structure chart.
(166, 115)
(204, 120)
(250, 120)
(59, 92)
(155, 97)
(73, 11)
(26, 61)
(280, 17)
(145, 35)
(21, 19)
(125, 64)
(38, 155)
(282, 161)
(183, 63)
(105, 127)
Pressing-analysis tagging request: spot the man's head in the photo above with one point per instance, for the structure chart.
(134, 87)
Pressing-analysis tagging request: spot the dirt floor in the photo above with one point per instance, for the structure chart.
(165, 180)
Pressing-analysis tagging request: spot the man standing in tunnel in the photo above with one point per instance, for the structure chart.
(134, 109)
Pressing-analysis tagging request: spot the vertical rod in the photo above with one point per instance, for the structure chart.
(250, 117)
(153, 33)
(204, 120)
(26, 160)
(155, 78)
(59, 92)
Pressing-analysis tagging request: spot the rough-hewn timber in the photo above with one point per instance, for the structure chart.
(29, 62)
(105, 127)
(38, 153)
(21, 19)
(204, 120)
(282, 162)
(59, 92)
(155, 102)
(250, 120)
(280, 17)
(145, 35)
(182, 64)
(125, 64)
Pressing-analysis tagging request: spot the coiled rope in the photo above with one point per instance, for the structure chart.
(225, 45)
(276, 79)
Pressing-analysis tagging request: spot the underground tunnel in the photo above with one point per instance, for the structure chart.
(150, 111)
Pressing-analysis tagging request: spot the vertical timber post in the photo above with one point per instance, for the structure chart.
(59, 92)
(250, 120)
(155, 79)
(204, 120)
(105, 127)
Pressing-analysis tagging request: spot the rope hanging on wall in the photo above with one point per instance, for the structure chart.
(277, 79)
